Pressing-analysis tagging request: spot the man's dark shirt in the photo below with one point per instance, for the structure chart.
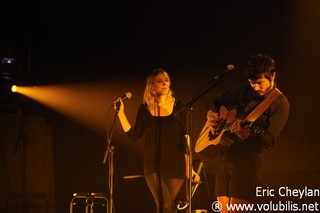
(245, 99)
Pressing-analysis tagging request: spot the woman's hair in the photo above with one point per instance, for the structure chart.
(149, 93)
(260, 65)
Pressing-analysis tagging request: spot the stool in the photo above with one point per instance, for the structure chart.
(89, 200)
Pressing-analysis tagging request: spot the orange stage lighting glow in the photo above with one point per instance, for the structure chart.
(86, 103)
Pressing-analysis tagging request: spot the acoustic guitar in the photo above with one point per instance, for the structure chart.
(210, 143)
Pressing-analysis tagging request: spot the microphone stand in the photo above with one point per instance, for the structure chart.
(110, 149)
(216, 81)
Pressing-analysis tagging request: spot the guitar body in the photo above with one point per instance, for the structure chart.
(211, 148)
(211, 144)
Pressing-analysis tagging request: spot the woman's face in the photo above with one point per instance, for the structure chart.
(161, 84)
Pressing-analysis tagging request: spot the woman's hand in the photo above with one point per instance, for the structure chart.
(118, 106)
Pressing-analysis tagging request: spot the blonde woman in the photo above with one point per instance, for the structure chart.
(163, 134)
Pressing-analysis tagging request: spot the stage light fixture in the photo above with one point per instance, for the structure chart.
(8, 60)
(13, 88)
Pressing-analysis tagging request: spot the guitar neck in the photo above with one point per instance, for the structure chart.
(225, 126)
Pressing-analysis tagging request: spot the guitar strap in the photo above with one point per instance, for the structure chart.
(263, 105)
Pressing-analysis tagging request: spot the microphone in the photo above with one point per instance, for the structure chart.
(126, 96)
(230, 68)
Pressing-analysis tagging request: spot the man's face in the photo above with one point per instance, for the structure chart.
(262, 85)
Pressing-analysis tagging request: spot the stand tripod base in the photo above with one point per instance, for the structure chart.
(91, 201)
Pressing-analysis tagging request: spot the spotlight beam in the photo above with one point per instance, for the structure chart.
(86, 103)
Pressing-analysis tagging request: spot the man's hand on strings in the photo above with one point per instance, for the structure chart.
(213, 119)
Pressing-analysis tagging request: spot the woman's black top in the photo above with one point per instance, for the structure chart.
(164, 141)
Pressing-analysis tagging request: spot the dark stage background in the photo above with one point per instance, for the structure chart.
(92, 52)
